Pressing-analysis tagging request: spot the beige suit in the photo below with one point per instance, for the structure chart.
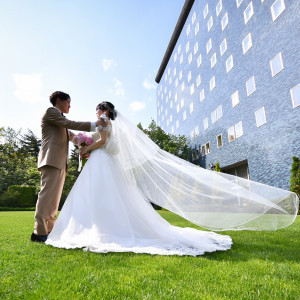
(52, 163)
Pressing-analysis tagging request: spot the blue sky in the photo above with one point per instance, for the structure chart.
(93, 50)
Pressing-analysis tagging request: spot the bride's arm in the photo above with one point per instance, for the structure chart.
(98, 144)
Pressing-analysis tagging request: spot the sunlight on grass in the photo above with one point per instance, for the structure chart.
(262, 265)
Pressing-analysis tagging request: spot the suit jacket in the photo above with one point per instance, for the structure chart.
(54, 147)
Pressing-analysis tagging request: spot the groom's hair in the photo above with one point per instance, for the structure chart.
(61, 95)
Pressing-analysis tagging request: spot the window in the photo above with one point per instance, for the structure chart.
(213, 60)
(196, 47)
(247, 43)
(190, 58)
(276, 64)
(184, 115)
(250, 85)
(238, 2)
(216, 114)
(205, 11)
(223, 47)
(171, 104)
(177, 123)
(189, 76)
(208, 46)
(182, 102)
(188, 29)
(191, 107)
(192, 89)
(197, 130)
(210, 23)
(248, 12)
(277, 8)
(192, 138)
(194, 17)
(178, 108)
(235, 98)
(199, 60)
(212, 83)
(181, 58)
(176, 97)
(172, 129)
(205, 123)
(169, 71)
(197, 28)
(260, 116)
(174, 72)
(179, 48)
(295, 95)
(229, 63)
(176, 82)
(187, 47)
(167, 99)
(219, 7)
(180, 75)
(224, 21)
(202, 95)
(175, 57)
(198, 80)
(235, 131)
(182, 86)
(205, 149)
(170, 94)
(170, 80)
(219, 141)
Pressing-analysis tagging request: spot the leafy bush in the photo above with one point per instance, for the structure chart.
(18, 196)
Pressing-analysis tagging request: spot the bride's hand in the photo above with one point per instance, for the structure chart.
(83, 152)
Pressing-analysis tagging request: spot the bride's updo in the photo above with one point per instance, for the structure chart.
(105, 105)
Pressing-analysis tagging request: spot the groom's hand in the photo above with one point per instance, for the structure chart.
(101, 122)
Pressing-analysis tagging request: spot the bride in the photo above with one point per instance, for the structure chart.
(109, 209)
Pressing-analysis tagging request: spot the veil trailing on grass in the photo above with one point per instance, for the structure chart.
(210, 199)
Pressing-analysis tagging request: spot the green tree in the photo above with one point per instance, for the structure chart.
(295, 176)
(30, 144)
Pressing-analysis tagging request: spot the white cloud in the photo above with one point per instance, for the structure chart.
(148, 85)
(118, 88)
(137, 106)
(108, 63)
(28, 87)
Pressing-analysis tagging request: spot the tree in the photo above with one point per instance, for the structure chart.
(173, 144)
(30, 144)
(295, 176)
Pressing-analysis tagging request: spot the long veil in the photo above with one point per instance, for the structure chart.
(210, 199)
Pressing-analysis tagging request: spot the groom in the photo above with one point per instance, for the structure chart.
(53, 161)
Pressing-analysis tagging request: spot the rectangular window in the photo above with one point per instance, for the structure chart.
(199, 60)
(295, 95)
(223, 47)
(277, 8)
(238, 128)
(198, 80)
(229, 63)
(178, 108)
(181, 58)
(205, 123)
(213, 60)
(180, 75)
(176, 82)
(247, 43)
(176, 97)
(191, 107)
(210, 23)
(260, 116)
(192, 89)
(208, 46)
(179, 48)
(238, 2)
(203, 152)
(250, 86)
(182, 86)
(190, 58)
(248, 12)
(172, 129)
(205, 149)
(224, 21)
(192, 138)
(196, 47)
(214, 116)
(171, 104)
(219, 112)
(276, 64)
(182, 102)
(205, 11)
(188, 29)
(235, 100)
(231, 135)
(194, 17)
(187, 47)
(219, 7)
(219, 141)
(197, 130)
(197, 28)
(184, 115)
(175, 57)
(212, 83)
(189, 76)
(202, 95)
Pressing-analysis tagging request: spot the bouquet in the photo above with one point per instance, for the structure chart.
(82, 140)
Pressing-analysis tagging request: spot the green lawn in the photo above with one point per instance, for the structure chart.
(260, 265)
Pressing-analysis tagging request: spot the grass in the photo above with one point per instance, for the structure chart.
(260, 265)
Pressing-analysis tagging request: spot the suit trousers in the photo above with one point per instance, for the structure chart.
(52, 182)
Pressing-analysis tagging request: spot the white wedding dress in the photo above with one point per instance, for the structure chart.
(108, 208)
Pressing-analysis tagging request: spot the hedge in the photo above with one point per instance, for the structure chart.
(18, 196)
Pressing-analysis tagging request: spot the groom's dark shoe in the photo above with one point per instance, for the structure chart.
(38, 238)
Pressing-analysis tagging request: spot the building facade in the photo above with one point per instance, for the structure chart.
(230, 82)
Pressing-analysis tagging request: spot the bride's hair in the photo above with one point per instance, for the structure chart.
(105, 105)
